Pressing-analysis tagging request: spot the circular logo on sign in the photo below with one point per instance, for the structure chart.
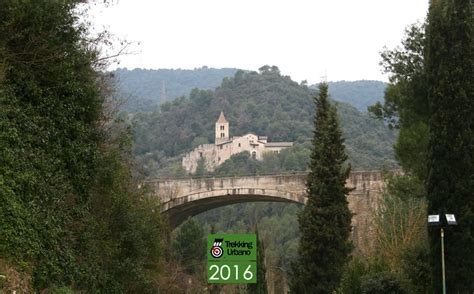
(216, 250)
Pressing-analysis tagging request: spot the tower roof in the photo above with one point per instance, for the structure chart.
(221, 118)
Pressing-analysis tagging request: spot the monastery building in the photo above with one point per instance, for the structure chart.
(226, 146)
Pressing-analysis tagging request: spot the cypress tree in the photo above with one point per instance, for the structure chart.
(214, 288)
(261, 286)
(450, 185)
(325, 222)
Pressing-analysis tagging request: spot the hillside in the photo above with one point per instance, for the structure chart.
(143, 88)
(265, 103)
(359, 94)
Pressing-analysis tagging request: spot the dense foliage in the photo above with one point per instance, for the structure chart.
(325, 221)
(450, 185)
(292, 159)
(406, 104)
(189, 246)
(71, 215)
(400, 224)
(142, 89)
(264, 103)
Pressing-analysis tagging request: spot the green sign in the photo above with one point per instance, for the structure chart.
(231, 258)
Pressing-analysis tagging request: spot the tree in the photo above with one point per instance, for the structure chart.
(50, 107)
(201, 169)
(399, 222)
(406, 104)
(325, 221)
(450, 186)
(214, 288)
(261, 286)
(190, 246)
(406, 109)
(238, 165)
(71, 213)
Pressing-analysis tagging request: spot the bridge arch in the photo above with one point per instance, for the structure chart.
(179, 209)
(185, 197)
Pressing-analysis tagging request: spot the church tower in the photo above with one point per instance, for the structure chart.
(222, 129)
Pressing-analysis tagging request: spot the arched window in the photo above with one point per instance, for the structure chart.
(254, 155)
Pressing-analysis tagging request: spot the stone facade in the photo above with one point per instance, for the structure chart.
(226, 146)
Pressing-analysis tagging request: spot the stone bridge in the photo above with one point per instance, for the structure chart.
(182, 198)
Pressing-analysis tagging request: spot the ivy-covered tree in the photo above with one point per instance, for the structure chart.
(450, 187)
(325, 221)
(50, 106)
(71, 213)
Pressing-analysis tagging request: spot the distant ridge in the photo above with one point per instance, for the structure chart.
(359, 94)
(142, 89)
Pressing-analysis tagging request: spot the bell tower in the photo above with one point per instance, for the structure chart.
(222, 129)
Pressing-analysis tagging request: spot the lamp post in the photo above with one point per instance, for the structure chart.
(434, 221)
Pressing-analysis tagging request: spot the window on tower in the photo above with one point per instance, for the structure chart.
(222, 135)
(222, 128)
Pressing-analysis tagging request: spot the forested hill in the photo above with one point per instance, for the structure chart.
(359, 94)
(143, 88)
(265, 103)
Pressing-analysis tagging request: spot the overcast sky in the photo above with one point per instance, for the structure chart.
(304, 38)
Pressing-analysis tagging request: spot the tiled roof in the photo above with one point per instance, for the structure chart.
(279, 144)
(221, 119)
